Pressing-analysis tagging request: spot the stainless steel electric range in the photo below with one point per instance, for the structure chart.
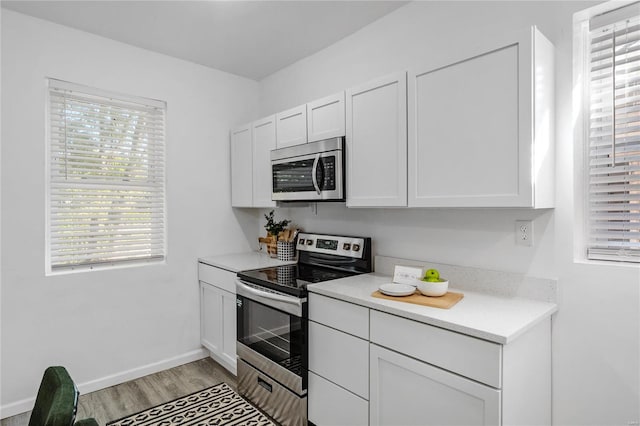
(272, 330)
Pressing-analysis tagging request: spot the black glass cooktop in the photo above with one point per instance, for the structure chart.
(292, 279)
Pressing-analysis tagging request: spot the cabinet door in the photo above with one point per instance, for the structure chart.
(229, 331)
(218, 324)
(471, 128)
(376, 143)
(291, 126)
(241, 167)
(405, 391)
(264, 140)
(325, 118)
(210, 317)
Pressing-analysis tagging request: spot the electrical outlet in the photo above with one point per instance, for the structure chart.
(524, 233)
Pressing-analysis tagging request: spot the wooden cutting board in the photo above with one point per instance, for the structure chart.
(443, 302)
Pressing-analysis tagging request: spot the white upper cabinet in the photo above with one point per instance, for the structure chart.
(376, 143)
(291, 126)
(325, 118)
(480, 127)
(264, 140)
(241, 167)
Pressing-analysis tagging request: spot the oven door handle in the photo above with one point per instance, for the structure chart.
(289, 304)
(314, 169)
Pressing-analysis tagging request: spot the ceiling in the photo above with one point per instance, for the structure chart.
(249, 38)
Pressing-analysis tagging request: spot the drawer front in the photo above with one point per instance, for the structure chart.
(221, 278)
(331, 405)
(340, 358)
(465, 355)
(344, 316)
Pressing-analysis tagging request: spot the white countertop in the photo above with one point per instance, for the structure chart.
(494, 318)
(243, 261)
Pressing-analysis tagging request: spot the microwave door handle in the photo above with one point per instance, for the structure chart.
(314, 179)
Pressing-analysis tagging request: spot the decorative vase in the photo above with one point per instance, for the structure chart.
(286, 251)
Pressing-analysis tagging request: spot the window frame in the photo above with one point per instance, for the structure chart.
(581, 115)
(106, 95)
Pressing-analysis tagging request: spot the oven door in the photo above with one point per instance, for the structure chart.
(272, 334)
(309, 177)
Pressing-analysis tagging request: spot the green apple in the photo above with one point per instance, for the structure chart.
(432, 275)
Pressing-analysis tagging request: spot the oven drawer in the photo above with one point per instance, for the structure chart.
(221, 278)
(287, 408)
(344, 316)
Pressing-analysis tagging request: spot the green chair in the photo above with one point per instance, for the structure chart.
(57, 401)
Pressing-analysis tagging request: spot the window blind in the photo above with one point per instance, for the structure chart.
(614, 136)
(106, 198)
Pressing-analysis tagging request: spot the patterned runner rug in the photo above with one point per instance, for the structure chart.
(217, 405)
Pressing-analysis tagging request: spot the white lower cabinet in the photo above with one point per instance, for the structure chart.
(338, 366)
(218, 315)
(418, 374)
(405, 391)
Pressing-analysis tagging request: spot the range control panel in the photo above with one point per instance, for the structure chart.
(331, 244)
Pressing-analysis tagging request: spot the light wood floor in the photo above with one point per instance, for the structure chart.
(146, 392)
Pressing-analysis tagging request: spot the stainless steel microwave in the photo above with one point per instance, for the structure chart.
(309, 172)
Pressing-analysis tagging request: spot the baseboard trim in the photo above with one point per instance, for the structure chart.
(26, 404)
(231, 368)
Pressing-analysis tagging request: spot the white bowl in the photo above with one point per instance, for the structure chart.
(432, 288)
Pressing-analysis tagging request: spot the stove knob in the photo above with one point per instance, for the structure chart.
(309, 242)
(346, 246)
(301, 241)
(355, 247)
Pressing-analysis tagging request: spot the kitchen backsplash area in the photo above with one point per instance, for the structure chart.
(497, 283)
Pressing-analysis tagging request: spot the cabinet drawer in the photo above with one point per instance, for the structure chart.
(344, 316)
(339, 357)
(221, 278)
(331, 405)
(465, 355)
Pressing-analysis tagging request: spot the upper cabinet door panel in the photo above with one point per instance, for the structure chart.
(466, 129)
(264, 140)
(291, 126)
(325, 118)
(471, 128)
(241, 167)
(376, 140)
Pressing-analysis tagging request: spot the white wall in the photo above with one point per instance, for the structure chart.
(596, 334)
(107, 326)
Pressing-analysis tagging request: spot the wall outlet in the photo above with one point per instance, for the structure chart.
(524, 233)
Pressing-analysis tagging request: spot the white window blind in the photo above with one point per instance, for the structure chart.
(614, 136)
(106, 194)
